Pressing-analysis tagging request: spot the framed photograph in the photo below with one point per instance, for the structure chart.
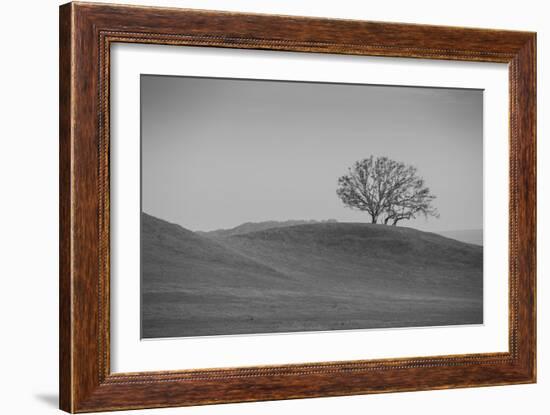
(258, 207)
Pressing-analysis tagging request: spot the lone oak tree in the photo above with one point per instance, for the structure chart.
(387, 190)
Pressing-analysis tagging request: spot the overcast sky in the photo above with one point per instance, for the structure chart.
(218, 152)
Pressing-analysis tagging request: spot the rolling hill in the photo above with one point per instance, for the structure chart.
(303, 277)
(248, 227)
(470, 236)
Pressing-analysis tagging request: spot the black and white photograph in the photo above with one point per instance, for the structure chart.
(275, 207)
(271, 206)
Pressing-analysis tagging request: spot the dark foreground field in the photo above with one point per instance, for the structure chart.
(320, 276)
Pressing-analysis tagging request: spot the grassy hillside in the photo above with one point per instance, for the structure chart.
(470, 236)
(377, 256)
(319, 276)
(259, 226)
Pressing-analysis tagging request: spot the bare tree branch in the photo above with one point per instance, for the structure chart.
(383, 187)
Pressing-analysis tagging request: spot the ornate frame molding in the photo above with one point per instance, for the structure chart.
(86, 33)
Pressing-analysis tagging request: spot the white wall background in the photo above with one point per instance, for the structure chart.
(28, 206)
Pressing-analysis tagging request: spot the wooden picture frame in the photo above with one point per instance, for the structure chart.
(86, 33)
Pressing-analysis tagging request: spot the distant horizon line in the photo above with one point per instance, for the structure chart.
(329, 220)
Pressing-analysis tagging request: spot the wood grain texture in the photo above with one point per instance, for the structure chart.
(65, 138)
(86, 33)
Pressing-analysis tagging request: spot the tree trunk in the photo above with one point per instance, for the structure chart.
(395, 222)
(374, 219)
